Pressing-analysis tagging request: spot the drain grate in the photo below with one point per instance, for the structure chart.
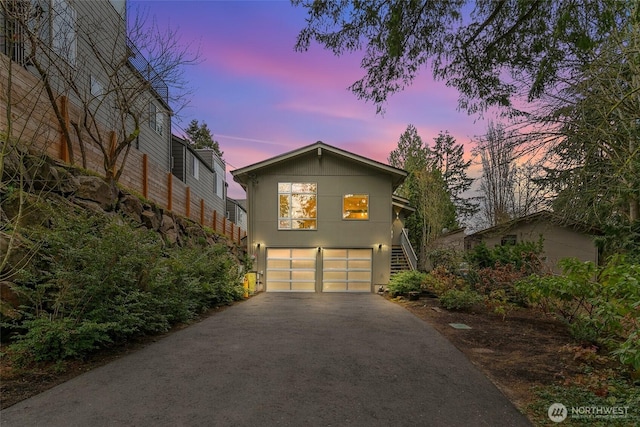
(459, 326)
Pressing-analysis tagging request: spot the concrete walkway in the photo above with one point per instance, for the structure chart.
(288, 360)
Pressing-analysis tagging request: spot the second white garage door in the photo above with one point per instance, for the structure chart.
(346, 270)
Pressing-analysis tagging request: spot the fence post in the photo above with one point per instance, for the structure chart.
(224, 225)
(64, 110)
(188, 210)
(215, 220)
(145, 176)
(170, 191)
(239, 234)
(201, 211)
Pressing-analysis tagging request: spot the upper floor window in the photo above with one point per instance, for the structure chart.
(355, 206)
(156, 119)
(54, 22)
(195, 167)
(297, 206)
(219, 180)
(97, 88)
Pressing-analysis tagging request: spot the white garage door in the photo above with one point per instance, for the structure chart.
(346, 270)
(291, 270)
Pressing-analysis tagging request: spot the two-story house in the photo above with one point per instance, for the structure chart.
(321, 219)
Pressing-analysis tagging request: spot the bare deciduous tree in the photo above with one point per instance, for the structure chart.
(110, 70)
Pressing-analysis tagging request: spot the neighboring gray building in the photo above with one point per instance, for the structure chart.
(202, 171)
(560, 239)
(321, 219)
(237, 212)
(88, 40)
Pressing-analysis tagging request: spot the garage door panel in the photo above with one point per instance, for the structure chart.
(334, 264)
(334, 275)
(291, 270)
(279, 263)
(305, 276)
(333, 286)
(335, 253)
(364, 264)
(346, 270)
(275, 286)
(362, 276)
(279, 275)
(303, 263)
(304, 286)
(360, 253)
(360, 287)
(279, 253)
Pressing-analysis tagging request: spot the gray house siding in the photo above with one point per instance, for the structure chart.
(201, 184)
(559, 241)
(99, 25)
(218, 187)
(236, 213)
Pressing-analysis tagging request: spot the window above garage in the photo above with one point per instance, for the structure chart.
(355, 206)
(297, 206)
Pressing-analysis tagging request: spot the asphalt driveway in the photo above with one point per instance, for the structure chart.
(283, 359)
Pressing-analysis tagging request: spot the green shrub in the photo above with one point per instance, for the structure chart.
(601, 305)
(406, 281)
(57, 339)
(97, 281)
(449, 259)
(460, 299)
(523, 256)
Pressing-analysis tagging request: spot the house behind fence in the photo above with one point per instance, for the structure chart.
(186, 181)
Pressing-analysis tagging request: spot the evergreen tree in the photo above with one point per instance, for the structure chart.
(200, 136)
(448, 158)
(425, 189)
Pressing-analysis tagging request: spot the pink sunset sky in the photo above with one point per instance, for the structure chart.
(260, 98)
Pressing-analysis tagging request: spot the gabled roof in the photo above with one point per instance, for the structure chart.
(243, 175)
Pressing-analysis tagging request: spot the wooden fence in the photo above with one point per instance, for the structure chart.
(33, 119)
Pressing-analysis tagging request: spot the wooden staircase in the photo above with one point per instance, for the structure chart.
(399, 261)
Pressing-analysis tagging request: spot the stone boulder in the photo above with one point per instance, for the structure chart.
(97, 190)
(131, 207)
(150, 220)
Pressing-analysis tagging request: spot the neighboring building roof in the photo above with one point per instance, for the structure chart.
(543, 215)
(242, 175)
(175, 138)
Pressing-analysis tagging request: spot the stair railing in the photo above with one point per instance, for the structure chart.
(408, 249)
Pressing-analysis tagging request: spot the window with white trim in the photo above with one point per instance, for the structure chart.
(195, 167)
(297, 206)
(156, 118)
